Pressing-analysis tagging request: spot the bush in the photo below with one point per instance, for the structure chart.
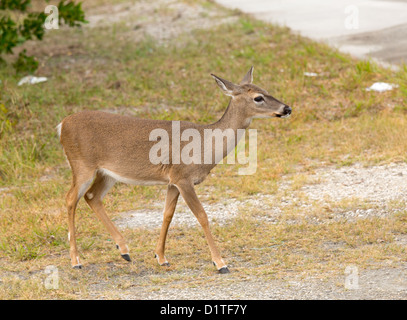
(14, 33)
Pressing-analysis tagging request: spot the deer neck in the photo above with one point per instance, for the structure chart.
(231, 126)
(234, 118)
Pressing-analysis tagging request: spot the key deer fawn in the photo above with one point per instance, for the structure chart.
(104, 148)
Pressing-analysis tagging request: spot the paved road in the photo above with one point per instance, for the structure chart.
(375, 28)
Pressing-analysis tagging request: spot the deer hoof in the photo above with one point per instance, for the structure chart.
(164, 264)
(224, 270)
(78, 266)
(126, 257)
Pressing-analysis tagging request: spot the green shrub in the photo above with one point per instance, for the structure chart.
(13, 33)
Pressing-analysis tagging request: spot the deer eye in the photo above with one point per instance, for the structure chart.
(259, 99)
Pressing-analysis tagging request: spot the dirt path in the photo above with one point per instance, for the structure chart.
(384, 283)
(372, 284)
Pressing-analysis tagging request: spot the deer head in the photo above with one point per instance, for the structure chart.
(253, 101)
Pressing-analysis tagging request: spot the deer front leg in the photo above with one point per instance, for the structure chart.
(188, 193)
(169, 209)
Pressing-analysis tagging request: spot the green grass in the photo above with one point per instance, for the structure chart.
(334, 122)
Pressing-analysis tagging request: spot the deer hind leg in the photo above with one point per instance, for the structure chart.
(93, 197)
(80, 183)
(170, 204)
(188, 193)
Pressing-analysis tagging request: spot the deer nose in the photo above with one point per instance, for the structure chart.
(287, 110)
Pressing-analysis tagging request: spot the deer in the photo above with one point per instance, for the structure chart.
(104, 148)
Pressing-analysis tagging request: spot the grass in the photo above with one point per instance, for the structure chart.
(334, 122)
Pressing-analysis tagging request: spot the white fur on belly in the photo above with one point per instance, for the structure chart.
(119, 178)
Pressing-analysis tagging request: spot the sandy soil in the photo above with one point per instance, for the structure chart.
(163, 20)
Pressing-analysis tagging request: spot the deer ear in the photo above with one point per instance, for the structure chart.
(227, 87)
(248, 78)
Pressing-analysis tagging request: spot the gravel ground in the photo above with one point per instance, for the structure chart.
(371, 284)
(380, 284)
(376, 186)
